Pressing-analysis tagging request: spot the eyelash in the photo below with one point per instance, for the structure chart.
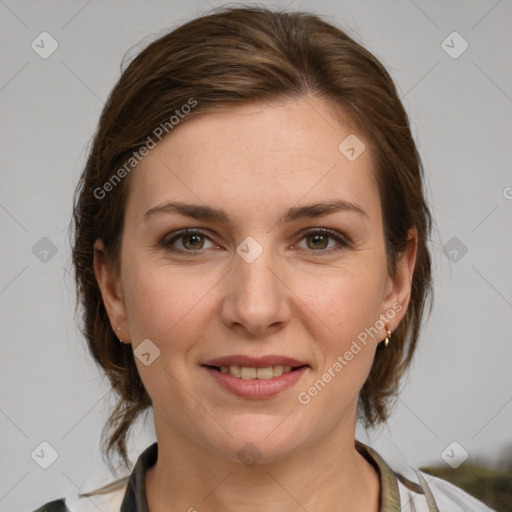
(167, 244)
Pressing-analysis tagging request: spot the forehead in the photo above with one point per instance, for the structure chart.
(257, 156)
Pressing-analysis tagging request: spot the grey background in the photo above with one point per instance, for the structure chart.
(459, 388)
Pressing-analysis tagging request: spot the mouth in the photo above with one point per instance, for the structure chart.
(256, 378)
(252, 372)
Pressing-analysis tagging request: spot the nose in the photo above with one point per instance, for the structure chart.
(257, 299)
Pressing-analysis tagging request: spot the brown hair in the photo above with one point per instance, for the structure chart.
(230, 57)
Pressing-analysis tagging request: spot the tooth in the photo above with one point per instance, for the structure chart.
(235, 370)
(264, 373)
(248, 373)
(277, 370)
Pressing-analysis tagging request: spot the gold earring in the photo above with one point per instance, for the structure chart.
(386, 341)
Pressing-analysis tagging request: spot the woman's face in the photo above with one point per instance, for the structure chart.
(272, 265)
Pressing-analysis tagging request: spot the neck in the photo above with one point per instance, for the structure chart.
(328, 476)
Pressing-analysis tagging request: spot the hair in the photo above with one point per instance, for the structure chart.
(237, 56)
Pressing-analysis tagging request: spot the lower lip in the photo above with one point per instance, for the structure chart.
(257, 388)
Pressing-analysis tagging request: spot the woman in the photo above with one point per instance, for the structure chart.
(251, 257)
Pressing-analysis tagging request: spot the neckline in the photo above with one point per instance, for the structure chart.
(389, 493)
(135, 496)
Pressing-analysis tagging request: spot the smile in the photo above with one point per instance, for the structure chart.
(247, 372)
(256, 383)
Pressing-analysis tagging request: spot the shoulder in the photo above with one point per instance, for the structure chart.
(446, 496)
(408, 489)
(107, 502)
(53, 506)
(110, 497)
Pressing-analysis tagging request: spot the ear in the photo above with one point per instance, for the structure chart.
(398, 287)
(109, 282)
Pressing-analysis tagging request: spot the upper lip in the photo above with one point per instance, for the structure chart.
(255, 362)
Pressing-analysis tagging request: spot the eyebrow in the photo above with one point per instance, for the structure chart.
(204, 212)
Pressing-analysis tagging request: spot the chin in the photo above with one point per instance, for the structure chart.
(260, 443)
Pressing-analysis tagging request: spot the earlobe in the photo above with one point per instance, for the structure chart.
(109, 283)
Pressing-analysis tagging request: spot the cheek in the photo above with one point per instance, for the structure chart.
(163, 303)
(345, 347)
(345, 309)
(345, 303)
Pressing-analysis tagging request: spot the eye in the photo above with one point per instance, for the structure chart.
(318, 239)
(190, 241)
(187, 240)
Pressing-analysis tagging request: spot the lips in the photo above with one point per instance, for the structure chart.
(256, 377)
(254, 362)
(257, 388)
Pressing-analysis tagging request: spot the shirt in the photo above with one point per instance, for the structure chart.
(398, 494)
